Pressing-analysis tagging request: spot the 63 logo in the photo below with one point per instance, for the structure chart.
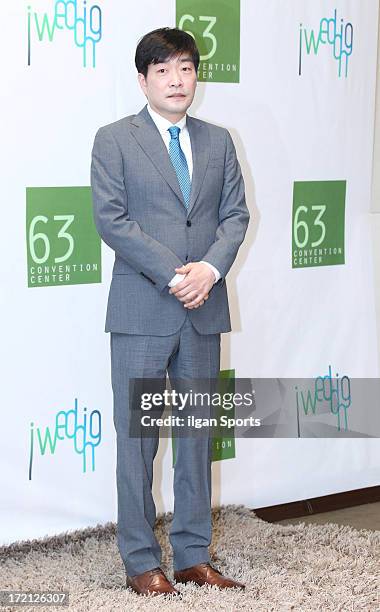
(318, 223)
(63, 245)
(215, 26)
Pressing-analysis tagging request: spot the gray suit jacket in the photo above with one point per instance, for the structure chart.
(139, 212)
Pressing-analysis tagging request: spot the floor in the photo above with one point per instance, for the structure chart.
(366, 516)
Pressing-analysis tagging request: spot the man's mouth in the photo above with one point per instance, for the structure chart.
(177, 96)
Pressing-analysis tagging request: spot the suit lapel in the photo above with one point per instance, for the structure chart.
(200, 149)
(150, 140)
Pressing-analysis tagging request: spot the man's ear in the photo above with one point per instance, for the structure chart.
(142, 81)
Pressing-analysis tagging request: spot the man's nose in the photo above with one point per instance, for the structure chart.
(176, 79)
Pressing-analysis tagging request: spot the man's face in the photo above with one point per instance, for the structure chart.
(170, 86)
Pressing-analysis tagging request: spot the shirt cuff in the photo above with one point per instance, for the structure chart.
(216, 272)
(176, 279)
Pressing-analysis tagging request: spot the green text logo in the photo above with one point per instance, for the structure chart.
(215, 26)
(318, 223)
(84, 23)
(63, 245)
(85, 433)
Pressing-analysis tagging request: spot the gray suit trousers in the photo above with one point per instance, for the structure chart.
(184, 354)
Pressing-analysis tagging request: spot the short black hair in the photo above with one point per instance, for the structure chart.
(162, 44)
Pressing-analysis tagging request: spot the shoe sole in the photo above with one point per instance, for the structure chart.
(175, 593)
(185, 581)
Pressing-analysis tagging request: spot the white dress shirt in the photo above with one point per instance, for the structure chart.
(162, 125)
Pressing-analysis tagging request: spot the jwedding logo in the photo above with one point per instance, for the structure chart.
(85, 433)
(79, 19)
(333, 390)
(215, 26)
(63, 245)
(339, 37)
(318, 223)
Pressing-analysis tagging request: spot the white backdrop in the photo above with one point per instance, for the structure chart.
(286, 322)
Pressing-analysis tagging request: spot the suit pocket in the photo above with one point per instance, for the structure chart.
(132, 276)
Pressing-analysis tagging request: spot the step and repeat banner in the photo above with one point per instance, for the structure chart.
(295, 85)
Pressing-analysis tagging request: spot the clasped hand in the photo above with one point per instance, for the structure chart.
(193, 290)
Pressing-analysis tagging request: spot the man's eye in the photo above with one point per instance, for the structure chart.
(161, 70)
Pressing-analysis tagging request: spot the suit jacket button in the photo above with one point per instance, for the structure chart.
(188, 223)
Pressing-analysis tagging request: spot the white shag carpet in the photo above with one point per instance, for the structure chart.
(285, 567)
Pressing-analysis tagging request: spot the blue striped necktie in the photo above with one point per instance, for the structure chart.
(179, 162)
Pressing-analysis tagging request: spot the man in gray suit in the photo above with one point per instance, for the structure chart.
(168, 198)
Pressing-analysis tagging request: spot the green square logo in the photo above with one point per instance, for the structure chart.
(222, 447)
(318, 223)
(215, 25)
(63, 245)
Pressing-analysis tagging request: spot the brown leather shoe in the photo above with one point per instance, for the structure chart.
(203, 573)
(153, 581)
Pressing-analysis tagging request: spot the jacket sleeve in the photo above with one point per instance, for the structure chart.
(110, 209)
(233, 215)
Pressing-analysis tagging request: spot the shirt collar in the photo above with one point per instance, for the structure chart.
(162, 123)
